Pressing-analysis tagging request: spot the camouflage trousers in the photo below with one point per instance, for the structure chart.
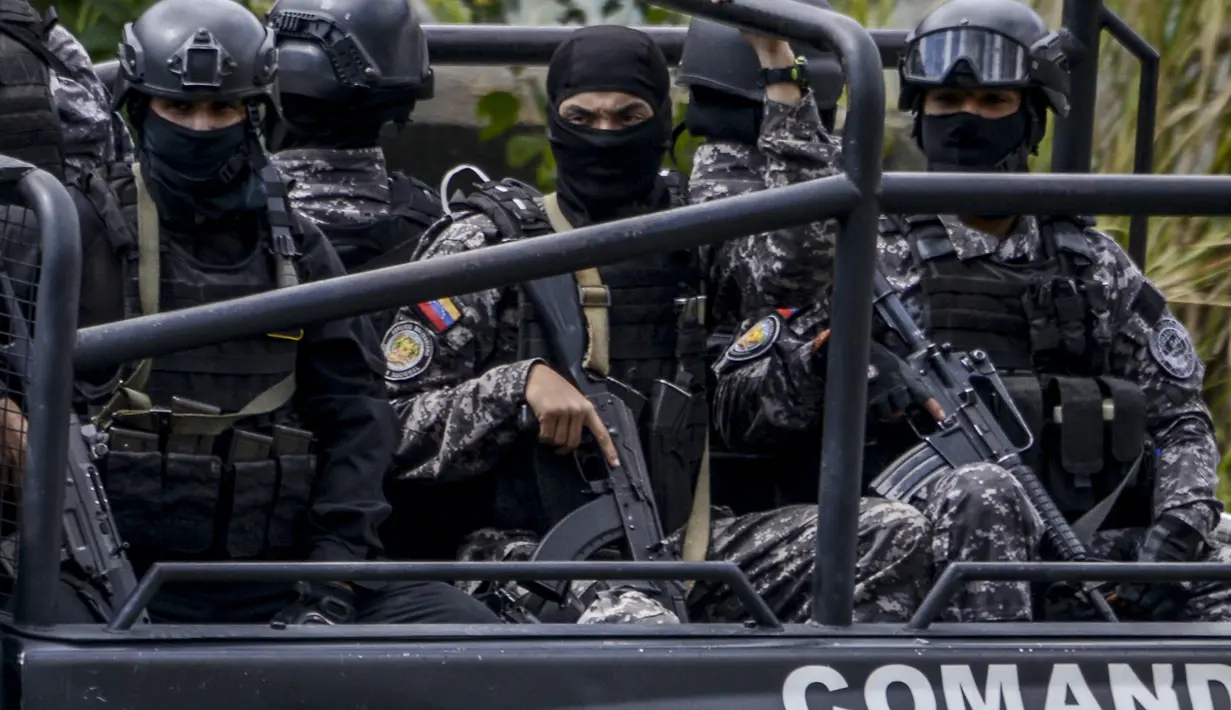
(608, 602)
(776, 549)
(980, 513)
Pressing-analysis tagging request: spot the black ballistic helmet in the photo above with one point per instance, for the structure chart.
(984, 43)
(198, 50)
(715, 56)
(351, 50)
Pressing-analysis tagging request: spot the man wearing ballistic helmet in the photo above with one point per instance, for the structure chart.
(1107, 380)
(745, 144)
(461, 369)
(269, 447)
(347, 69)
(765, 109)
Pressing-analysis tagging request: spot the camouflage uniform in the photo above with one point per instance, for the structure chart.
(793, 147)
(337, 186)
(458, 393)
(777, 395)
(94, 135)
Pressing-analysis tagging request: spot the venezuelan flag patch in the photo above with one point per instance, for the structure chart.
(442, 314)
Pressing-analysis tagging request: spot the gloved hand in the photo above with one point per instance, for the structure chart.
(893, 386)
(319, 603)
(1170, 539)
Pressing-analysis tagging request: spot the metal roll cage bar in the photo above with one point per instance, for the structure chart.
(856, 198)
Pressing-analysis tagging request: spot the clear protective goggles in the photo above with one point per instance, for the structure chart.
(994, 59)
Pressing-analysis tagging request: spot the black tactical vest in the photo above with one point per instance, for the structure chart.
(243, 493)
(652, 336)
(389, 240)
(30, 127)
(1046, 327)
(413, 207)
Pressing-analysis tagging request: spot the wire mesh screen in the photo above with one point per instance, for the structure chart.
(19, 275)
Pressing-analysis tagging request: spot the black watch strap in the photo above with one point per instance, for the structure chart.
(795, 74)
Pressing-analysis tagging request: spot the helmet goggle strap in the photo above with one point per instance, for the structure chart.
(992, 58)
(202, 63)
(350, 62)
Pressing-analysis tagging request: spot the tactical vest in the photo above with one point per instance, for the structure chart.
(181, 477)
(30, 127)
(655, 323)
(1046, 327)
(413, 207)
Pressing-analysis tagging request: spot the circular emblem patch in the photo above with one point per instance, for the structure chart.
(408, 349)
(1172, 349)
(755, 340)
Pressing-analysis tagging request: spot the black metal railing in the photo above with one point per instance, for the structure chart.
(52, 237)
(855, 197)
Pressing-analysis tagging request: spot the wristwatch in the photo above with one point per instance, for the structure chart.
(796, 73)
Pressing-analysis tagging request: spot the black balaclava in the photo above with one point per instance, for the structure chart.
(720, 116)
(315, 123)
(194, 175)
(605, 175)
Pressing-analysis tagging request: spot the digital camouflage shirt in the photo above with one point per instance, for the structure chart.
(337, 186)
(793, 147)
(94, 135)
(777, 390)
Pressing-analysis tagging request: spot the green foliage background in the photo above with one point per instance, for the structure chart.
(1189, 258)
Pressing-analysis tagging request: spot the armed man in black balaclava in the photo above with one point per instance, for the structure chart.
(461, 369)
(1106, 378)
(269, 447)
(346, 70)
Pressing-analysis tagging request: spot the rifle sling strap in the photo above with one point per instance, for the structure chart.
(697, 531)
(594, 296)
(129, 399)
(595, 299)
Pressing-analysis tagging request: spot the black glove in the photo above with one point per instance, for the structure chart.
(1168, 540)
(319, 603)
(892, 385)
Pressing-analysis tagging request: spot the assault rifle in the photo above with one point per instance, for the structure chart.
(92, 545)
(623, 505)
(962, 383)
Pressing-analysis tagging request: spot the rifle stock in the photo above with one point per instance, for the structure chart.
(625, 506)
(91, 540)
(962, 383)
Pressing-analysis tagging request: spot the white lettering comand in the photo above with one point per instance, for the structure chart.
(1067, 688)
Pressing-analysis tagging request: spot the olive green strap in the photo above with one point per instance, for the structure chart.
(129, 401)
(149, 261)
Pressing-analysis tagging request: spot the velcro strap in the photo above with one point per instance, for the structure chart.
(929, 248)
(1068, 302)
(1081, 425)
(1027, 394)
(1039, 307)
(1149, 303)
(1128, 422)
(508, 227)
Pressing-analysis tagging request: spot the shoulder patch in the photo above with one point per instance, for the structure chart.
(442, 313)
(1172, 349)
(408, 349)
(756, 340)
